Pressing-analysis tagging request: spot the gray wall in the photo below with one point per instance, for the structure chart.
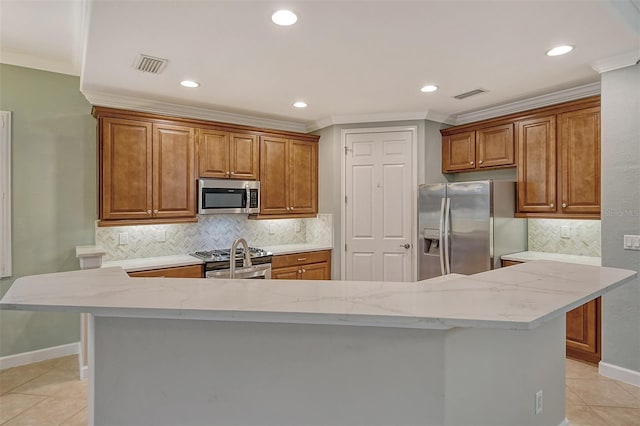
(331, 152)
(620, 105)
(54, 193)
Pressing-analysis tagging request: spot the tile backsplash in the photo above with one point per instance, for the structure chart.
(578, 237)
(211, 232)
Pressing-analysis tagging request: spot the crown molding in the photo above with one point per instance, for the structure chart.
(39, 63)
(527, 104)
(110, 100)
(616, 62)
(376, 118)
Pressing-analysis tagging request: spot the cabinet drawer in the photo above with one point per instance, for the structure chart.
(297, 259)
(191, 271)
(510, 263)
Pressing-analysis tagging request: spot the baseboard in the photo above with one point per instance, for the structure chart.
(23, 358)
(565, 422)
(619, 373)
(84, 372)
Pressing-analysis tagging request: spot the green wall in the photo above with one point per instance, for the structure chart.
(53, 194)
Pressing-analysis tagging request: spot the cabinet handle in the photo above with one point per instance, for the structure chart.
(471, 163)
(148, 211)
(551, 205)
(300, 259)
(564, 205)
(480, 161)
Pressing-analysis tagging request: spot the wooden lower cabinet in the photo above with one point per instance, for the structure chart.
(191, 271)
(314, 265)
(583, 329)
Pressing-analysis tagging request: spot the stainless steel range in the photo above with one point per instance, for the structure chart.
(217, 263)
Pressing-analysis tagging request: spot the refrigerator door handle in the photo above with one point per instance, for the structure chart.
(447, 225)
(440, 237)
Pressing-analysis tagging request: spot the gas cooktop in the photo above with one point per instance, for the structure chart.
(224, 255)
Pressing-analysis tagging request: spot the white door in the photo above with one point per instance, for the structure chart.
(379, 205)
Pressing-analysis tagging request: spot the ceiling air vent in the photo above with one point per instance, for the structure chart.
(471, 93)
(150, 64)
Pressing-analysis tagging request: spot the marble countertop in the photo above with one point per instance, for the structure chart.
(146, 263)
(519, 297)
(528, 256)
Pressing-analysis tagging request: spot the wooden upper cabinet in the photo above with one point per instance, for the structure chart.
(228, 155)
(274, 175)
(173, 171)
(303, 177)
(485, 148)
(459, 152)
(579, 150)
(126, 172)
(536, 139)
(494, 146)
(288, 177)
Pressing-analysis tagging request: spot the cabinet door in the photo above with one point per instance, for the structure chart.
(495, 146)
(579, 150)
(126, 180)
(213, 153)
(316, 271)
(536, 139)
(583, 332)
(173, 171)
(244, 156)
(288, 273)
(303, 177)
(459, 152)
(273, 175)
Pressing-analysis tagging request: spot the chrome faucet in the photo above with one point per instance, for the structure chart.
(232, 260)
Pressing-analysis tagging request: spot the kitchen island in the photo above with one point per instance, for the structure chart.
(448, 351)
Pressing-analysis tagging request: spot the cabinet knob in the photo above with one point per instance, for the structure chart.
(228, 173)
(564, 205)
(304, 270)
(233, 173)
(299, 271)
(148, 211)
(551, 205)
(471, 163)
(288, 208)
(155, 211)
(480, 161)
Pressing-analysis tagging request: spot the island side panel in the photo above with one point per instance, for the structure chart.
(188, 372)
(492, 376)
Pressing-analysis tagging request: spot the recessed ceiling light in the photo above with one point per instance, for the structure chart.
(284, 17)
(189, 83)
(559, 50)
(300, 104)
(429, 88)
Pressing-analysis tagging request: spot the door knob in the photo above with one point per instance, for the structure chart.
(407, 246)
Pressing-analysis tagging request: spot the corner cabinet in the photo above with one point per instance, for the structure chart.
(481, 149)
(147, 171)
(314, 265)
(228, 155)
(288, 177)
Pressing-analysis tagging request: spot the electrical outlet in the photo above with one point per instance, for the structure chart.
(298, 226)
(632, 242)
(539, 402)
(565, 231)
(272, 229)
(161, 237)
(123, 238)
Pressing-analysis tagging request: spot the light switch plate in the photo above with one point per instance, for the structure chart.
(565, 231)
(272, 229)
(632, 242)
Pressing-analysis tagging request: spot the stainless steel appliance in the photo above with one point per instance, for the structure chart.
(465, 227)
(228, 196)
(217, 263)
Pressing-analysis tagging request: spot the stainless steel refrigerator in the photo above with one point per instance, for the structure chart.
(465, 227)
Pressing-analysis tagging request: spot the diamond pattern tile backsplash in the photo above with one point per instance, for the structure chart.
(211, 232)
(582, 237)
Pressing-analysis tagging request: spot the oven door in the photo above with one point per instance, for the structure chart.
(253, 272)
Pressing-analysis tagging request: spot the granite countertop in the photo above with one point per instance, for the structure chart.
(147, 263)
(527, 256)
(519, 297)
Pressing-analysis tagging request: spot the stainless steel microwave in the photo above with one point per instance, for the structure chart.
(228, 196)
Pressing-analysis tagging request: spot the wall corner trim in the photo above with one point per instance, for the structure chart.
(616, 62)
(24, 358)
(5, 194)
(619, 373)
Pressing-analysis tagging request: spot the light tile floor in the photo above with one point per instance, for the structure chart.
(50, 393)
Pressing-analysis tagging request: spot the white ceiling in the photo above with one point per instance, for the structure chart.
(348, 60)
